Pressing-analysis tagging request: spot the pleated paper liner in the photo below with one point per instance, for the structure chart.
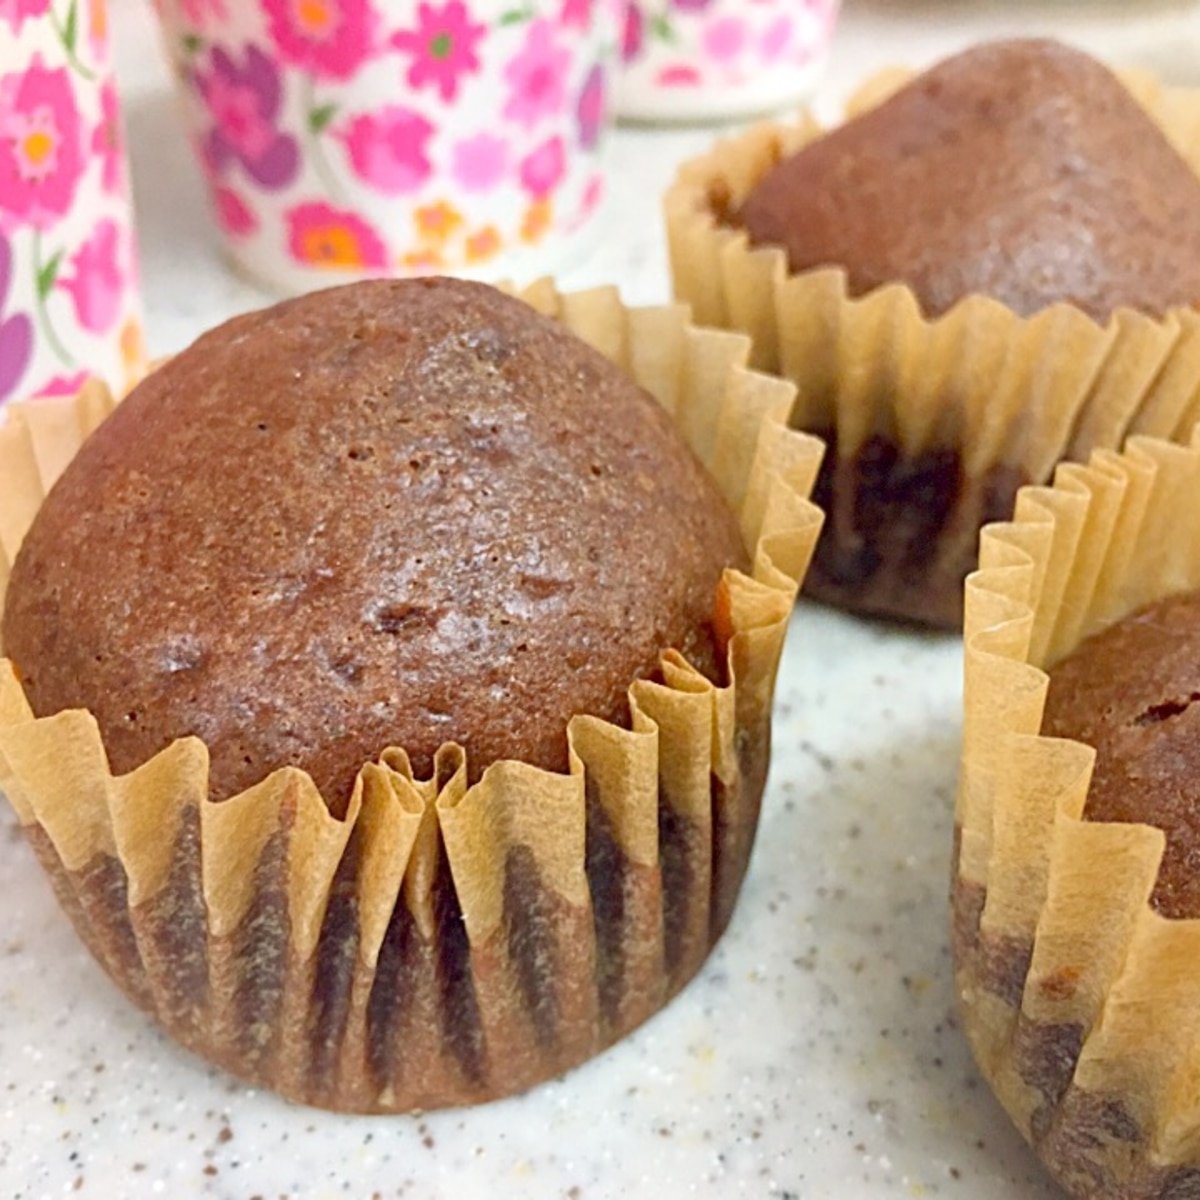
(444, 943)
(1081, 1002)
(932, 425)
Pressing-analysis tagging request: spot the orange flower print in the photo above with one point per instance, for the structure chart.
(423, 262)
(438, 222)
(133, 351)
(483, 244)
(98, 25)
(537, 220)
(320, 235)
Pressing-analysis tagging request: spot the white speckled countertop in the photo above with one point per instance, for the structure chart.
(816, 1055)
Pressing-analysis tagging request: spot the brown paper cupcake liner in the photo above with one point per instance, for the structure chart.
(932, 424)
(442, 943)
(1080, 1000)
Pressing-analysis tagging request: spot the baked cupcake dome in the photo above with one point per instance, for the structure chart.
(938, 402)
(441, 941)
(1019, 170)
(1076, 963)
(391, 514)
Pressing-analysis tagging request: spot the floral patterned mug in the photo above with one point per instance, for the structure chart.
(343, 138)
(700, 60)
(68, 293)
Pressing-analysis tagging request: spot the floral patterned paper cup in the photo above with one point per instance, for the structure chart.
(68, 298)
(344, 138)
(702, 60)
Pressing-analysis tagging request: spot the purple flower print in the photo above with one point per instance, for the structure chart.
(244, 103)
(442, 47)
(97, 283)
(17, 12)
(542, 170)
(479, 163)
(330, 39)
(16, 332)
(590, 110)
(537, 77)
(41, 146)
(388, 149)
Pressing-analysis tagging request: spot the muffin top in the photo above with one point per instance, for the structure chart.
(389, 514)
(1133, 693)
(1022, 170)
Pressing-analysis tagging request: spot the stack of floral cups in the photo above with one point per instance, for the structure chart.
(350, 137)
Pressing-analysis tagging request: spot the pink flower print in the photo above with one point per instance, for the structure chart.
(537, 77)
(543, 169)
(479, 163)
(320, 235)
(679, 75)
(590, 110)
(234, 215)
(592, 194)
(774, 41)
(442, 47)
(41, 146)
(197, 13)
(64, 385)
(691, 5)
(244, 103)
(329, 38)
(16, 332)
(633, 32)
(106, 139)
(724, 39)
(97, 286)
(388, 149)
(576, 14)
(17, 12)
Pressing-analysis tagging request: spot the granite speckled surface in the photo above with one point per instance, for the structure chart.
(817, 1053)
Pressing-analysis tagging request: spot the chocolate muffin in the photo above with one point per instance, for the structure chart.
(392, 514)
(1075, 854)
(1020, 170)
(1131, 693)
(381, 537)
(992, 269)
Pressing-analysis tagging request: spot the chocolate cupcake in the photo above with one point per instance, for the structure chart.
(1075, 891)
(394, 683)
(1130, 692)
(977, 275)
